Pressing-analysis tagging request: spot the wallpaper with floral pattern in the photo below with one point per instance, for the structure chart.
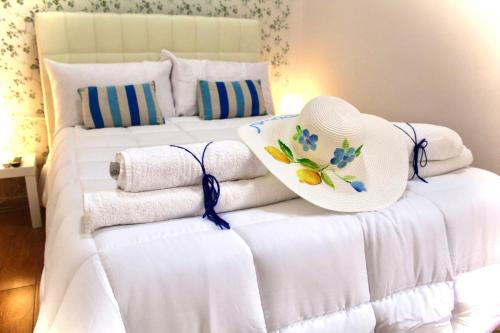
(19, 75)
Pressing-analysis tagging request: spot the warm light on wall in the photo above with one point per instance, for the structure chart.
(291, 104)
(291, 97)
(486, 17)
(5, 131)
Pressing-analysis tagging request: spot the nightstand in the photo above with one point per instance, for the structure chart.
(28, 171)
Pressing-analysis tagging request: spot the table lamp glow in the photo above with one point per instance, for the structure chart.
(291, 104)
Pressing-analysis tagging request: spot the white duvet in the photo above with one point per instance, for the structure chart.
(428, 263)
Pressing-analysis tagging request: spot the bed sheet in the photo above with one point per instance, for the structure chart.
(287, 267)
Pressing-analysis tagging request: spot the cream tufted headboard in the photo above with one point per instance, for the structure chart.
(100, 38)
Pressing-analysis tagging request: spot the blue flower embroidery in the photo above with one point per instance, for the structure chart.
(307, 140)
(342, 157)
(358, 186)
(313, 173)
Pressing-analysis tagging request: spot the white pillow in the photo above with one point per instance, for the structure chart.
(65, 79)
(187, 72)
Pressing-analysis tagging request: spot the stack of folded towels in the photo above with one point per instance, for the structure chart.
(164, 182)
(445, 150)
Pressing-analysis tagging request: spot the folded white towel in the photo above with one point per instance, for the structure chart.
(443, 142)
(435, 168)
(108, 208)
(162, 167)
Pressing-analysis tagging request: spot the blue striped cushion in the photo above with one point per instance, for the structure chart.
(120, 106)
(230, 99)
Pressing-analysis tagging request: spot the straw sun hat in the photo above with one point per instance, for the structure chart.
(332, 155)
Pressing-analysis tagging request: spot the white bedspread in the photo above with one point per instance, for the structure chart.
(287, 267)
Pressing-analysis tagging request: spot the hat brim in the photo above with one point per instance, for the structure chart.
(384, 156)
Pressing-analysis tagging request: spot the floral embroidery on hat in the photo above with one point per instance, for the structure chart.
(306, 139)
(313, 173)
(345, 155)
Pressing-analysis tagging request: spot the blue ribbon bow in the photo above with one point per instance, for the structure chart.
(211, 191)
(419, 153)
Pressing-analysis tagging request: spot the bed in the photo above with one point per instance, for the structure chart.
(428, 263)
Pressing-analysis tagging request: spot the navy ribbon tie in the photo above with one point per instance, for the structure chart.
(211, 191)
(419, 153)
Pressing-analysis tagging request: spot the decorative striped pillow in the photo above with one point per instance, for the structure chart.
(230, 99)
(120, 106)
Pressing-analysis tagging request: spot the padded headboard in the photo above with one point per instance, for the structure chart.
(103, 38)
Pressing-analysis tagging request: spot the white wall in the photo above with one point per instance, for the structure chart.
(413, 60)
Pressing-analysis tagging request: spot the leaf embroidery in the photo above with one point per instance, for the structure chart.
(298, 133)
(345, 144)
(328, 181)
(287, 151)
(358, 151)
(308, 163)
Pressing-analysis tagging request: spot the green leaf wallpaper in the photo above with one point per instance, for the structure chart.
(19, 75)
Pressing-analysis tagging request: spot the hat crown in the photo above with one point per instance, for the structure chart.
(332, 120)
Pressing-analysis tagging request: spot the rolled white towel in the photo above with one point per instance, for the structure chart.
(435, 168)
(443, 142)
(108, 208)
(162, 167)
